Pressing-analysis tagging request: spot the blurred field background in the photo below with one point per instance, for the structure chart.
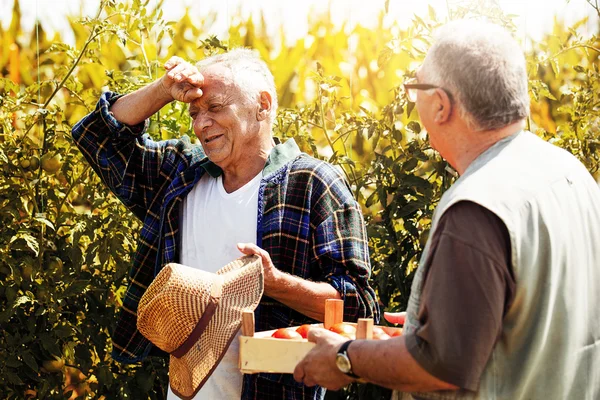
(66, 245)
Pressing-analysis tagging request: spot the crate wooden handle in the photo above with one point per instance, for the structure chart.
(248, 323)
(364, 328)
(334, 312)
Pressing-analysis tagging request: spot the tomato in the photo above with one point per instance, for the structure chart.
(377, 330)
(51, 163)
(396, 333)
(380, 335)
(284, 333)
(34, 163)
(55, 365)
(344, 329)
(303, 330)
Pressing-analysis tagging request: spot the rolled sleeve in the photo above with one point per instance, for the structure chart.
(343, 255)
(127, 160)
(114, 126)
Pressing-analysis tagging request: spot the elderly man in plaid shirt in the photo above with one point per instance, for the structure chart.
(238, 192)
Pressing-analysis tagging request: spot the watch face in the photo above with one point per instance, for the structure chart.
(343, 363)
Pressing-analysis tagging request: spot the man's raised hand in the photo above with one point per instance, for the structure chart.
(183, 81)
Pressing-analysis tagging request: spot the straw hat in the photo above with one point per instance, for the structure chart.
(194, 315)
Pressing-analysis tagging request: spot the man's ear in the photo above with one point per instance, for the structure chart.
(443, 107)
(264, 107)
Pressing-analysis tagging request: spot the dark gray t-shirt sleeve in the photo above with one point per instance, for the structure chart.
(468, 288)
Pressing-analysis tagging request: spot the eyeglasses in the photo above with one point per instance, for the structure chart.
(412, 88)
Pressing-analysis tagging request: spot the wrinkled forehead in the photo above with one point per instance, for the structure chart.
(218, 84)
(217, 77)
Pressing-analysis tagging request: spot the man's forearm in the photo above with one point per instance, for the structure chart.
(304, 296)
(140, 105)
(388, 363)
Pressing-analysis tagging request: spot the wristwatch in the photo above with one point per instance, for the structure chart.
(343, 361)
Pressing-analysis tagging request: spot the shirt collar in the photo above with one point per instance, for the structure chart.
(281, 154)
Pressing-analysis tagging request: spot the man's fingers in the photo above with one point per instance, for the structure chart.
(395, 318)
(196, 78)
(308, 381)
(299, 372)
(187, 73)
(177, 72)
(248, 248)
(172, 62)
(251, 248)
(192, 94)
(315, 334)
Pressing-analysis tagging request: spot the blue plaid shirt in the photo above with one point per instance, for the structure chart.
(308, 221)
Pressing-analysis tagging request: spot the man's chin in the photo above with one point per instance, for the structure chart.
(216, 156)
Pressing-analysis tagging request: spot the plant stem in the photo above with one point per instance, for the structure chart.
(38, 199)
(148, 66)
(73, 183)
(331, 143)
(93, 35)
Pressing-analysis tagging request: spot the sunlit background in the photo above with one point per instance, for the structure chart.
(534, 17)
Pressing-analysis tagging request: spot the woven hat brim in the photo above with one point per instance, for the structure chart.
(242, 290)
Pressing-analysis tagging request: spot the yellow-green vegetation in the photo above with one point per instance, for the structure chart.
(66, 243)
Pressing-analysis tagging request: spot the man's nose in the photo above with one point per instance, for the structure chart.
(201, 122)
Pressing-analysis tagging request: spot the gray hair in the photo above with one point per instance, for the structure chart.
(250, 74)
(484, 69)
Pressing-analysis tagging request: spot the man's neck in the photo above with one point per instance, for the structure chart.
(234, 177)
(471, 144)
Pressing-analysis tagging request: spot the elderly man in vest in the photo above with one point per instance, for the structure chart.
(505, 302)
(235, 192)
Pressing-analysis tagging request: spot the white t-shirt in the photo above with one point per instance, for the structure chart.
(213, 222)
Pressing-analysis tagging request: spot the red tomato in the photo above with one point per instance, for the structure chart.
(396, 333)
(303, 330)
(284, 333)
(344, 329)
(377, 330)
(380, 334)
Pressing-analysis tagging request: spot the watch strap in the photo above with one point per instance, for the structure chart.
(344, 351)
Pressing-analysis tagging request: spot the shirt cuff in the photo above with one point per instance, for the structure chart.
(107, 99)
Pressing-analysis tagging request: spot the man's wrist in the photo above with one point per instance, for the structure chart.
(162, 94)
(343, 361)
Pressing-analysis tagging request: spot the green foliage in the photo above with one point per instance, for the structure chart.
(67, 243)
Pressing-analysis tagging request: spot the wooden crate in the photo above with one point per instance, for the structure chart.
(259, 352)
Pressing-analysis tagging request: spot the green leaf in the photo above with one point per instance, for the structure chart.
(31, 241)
(75, 288)
(408, 209)
(49, 344)
(29, 360)
(46, 222)
(409, 107)
(414, 126)
(21, 300)
(432, 15)
(372, 199)
(105, 376)
(12, 362)
(384, 57)
(410, 164)
(13, 378)
(63, 331)
(555, 67)
(145, 380)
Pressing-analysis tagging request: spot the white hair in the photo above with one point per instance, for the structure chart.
(484, 68)
(250, 74)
